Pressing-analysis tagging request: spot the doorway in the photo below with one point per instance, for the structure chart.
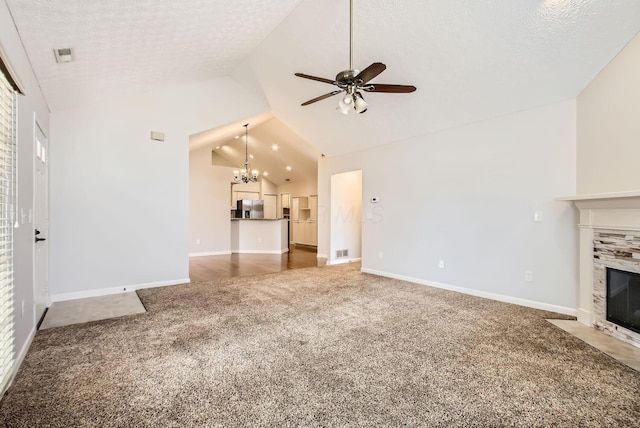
(41, 223)
(346, 218)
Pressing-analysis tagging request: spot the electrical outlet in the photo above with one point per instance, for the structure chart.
(537, 216)
(441, 264)
(259, 240)
(528, 276)
(380, 255)
(197, 242)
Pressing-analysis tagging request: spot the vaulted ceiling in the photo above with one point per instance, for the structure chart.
(470, 59)
(272, 147)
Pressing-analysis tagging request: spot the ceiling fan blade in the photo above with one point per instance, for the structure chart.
(318, 79)
(322, 97)
(370, 72)
(397, 89)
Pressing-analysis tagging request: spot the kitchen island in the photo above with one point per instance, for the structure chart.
(259, 236)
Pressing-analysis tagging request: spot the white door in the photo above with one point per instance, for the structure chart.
(41, 223)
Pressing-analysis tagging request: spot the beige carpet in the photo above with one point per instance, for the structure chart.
(319, 347)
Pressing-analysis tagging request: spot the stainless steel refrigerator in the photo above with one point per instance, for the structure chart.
(247, 208)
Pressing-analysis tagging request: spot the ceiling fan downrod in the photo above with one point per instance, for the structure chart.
(350, 34)
(352, 83)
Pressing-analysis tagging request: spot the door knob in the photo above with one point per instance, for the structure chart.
(39, 239)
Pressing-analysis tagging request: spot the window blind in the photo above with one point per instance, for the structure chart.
(7, 210)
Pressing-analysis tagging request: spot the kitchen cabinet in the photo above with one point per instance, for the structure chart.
(297, 232)
(304, 225)
(313, 208)
(285, 200)
(305, 232)
(295, 209)
(284, 205)
(314, 233)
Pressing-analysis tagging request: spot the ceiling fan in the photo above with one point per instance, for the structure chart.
(353, 82)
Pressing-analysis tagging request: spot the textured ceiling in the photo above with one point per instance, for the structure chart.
(128, 45)
(470, 60)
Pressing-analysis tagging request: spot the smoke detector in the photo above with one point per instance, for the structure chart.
(64, 55)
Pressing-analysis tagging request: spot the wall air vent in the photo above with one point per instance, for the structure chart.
(64, 55)
(342, 253)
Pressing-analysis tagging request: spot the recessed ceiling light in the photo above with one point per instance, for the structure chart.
(274, 147)
(265, 173)
(217, 147)
(289, 168)
(236, 137)
(251, 156)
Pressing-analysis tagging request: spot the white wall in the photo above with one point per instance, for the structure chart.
(267, 187)
(467, 196)
(608, 126)
(346, 215)
(31, 105)
(119, 201)
(209, 204)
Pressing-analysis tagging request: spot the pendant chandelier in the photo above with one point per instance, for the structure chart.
(242, 176)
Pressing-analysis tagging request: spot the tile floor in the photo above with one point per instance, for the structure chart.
(92, 309)
(621, 351)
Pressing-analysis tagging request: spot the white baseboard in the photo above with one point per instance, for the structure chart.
(322, 256)
(211, 253)
(479, 293)
(114, 290)
(260, 251)
(584, 317)
(343, 261)
(19, 359)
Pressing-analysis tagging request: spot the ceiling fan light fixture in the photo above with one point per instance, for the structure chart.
(353, 80)
(345, 104)
(360, 104)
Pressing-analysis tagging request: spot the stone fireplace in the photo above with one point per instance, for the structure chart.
(609, 238)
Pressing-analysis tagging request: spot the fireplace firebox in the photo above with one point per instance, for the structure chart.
(623, 298)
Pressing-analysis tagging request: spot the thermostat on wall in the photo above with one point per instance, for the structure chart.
(374, 199)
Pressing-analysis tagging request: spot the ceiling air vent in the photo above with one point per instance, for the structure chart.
(64, 55)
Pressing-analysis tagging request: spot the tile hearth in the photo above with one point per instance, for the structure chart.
(623, 352)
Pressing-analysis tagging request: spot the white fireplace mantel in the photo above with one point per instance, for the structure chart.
(618, 211)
